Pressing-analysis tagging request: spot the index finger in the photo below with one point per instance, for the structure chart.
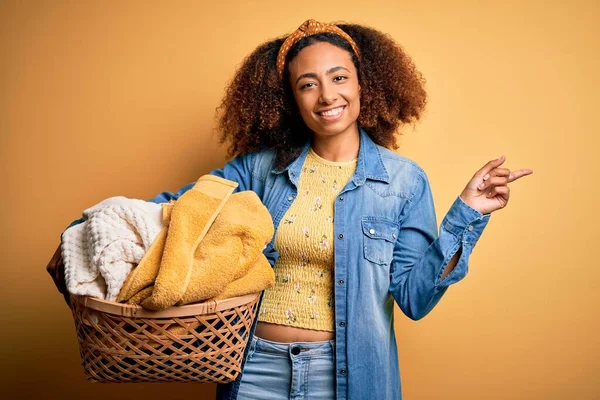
(514, 175)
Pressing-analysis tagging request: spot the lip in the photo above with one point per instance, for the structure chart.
(331, 118)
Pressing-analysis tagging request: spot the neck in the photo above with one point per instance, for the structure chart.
(342, 147)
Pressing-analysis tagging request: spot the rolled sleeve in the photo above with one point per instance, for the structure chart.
(465, 222)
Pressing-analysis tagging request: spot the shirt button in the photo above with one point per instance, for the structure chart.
(471, 227)
(341, 235)
(372, 231)
(290, 198)
(341, 198)
(343, 371)
(341, 282)
(394, 235)
(342, 323)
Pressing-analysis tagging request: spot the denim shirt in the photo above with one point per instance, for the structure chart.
(386, 248)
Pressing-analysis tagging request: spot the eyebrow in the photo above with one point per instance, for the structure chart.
(329, 71)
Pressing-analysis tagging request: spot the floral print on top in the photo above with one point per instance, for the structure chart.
(303, 292)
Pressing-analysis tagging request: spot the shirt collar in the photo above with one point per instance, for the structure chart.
(369, 164)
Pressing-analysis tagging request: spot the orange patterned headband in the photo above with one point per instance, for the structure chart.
(308, 28)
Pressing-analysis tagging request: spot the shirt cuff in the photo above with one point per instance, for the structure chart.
(465, 222)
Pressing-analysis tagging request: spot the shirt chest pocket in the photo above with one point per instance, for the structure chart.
(379, 236)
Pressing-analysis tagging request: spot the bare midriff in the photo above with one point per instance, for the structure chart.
(289, 334)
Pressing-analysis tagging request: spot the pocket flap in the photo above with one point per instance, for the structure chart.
(380, 229)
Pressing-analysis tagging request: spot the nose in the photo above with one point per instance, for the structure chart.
(328, 94)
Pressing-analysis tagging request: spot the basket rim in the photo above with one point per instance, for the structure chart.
(131, 310)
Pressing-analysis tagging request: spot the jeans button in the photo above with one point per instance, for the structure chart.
(295, 351)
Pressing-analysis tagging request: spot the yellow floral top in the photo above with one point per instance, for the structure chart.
(303, 292)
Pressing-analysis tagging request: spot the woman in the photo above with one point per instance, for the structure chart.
(310, 119)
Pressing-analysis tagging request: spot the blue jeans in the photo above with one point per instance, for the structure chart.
(300, 370)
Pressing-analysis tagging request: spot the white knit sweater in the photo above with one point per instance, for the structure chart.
(100, 252)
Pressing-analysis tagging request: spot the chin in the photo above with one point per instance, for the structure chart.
(332, 129)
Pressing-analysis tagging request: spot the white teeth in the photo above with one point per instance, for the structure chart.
(331, 113)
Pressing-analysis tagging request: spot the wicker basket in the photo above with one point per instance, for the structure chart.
(126, 343)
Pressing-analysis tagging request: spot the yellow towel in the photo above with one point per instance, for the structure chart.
(231, 249)
(140, 296)
(243, 227)
(190, 218)
(261, 276)
(229, 260)
(226, 257)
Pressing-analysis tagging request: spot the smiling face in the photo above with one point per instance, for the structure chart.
(325, 85)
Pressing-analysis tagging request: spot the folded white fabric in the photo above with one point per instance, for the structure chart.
(100, 252)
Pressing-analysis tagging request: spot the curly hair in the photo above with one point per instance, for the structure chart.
(258, 110)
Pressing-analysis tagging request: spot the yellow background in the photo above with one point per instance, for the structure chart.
(105, 98)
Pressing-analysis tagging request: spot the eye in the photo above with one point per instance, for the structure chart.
(339, 78)
(306, 85)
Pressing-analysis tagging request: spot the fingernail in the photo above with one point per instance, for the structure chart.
(501, 157)
(486, 176)
(480, 185)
